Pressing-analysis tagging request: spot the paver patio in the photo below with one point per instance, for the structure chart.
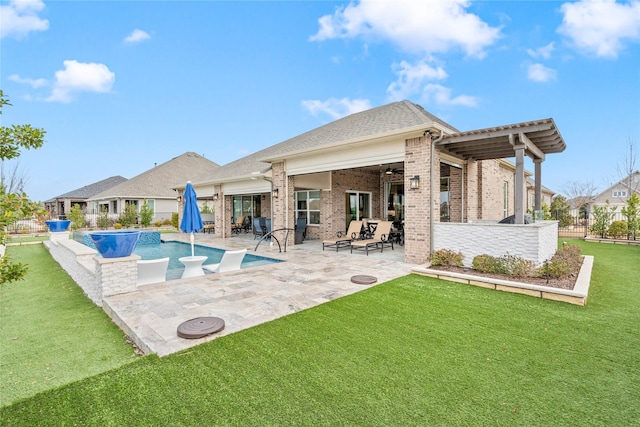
(248, 297)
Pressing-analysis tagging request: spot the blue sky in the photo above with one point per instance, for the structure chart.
(119, 86)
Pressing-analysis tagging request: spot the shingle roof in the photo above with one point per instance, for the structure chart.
(159, 181)
(370, 123)
(92, 189)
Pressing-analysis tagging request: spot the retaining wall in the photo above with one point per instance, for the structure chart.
(535, 242)
(97, 276)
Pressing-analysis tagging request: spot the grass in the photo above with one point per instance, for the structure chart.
(412, 351)
(50, 333)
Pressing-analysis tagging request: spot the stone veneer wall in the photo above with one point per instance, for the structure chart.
(98, 277)
(535, 242)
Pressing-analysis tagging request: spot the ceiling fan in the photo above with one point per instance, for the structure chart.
(390, 171)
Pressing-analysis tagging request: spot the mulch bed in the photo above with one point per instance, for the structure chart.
(561, 283)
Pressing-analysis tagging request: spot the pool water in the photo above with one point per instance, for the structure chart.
(175, 250)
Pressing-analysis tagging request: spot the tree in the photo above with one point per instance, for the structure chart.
(146, 214)
(602, 216)
(560, 210)
(632, 213)
(77, 217)
(580, 194)
(14, 204)
(627, 165)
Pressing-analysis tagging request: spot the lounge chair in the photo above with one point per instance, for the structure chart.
(237, 226)
(344, 239)
(152, 270)
(379, 239)
(231, 260)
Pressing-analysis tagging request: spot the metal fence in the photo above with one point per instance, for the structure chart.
(35, 225)
(581, 227)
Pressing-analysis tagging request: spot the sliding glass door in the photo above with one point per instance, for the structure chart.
(357, 206)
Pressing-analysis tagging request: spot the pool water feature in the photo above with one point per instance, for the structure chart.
(175, 250)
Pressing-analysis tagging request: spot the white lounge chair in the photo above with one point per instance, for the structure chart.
(152, 270)
(230, 261)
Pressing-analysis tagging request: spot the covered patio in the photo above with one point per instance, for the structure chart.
(387, 163)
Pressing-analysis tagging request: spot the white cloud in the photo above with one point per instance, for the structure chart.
(427, 26)
(540, 73)
(601, 26)
(81, 77)
(34, 83)
(137, 36)
(441, 95)
(336, 108)
(411, 78)
(542, 52)
(20, 17)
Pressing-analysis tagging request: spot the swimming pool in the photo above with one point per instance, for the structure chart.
(175, 250)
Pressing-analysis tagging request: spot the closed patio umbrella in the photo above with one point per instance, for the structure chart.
(191, 220)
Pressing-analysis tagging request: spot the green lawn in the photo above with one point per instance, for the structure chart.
(412, 351)
(50, 333)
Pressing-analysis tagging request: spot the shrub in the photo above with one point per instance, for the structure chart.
(117, 226)
(77, 217)
(158, 223)
(510, 265)
(484, 263)
(617, 229)
(446, 257)
(129, 215)
(565, 261)
(103, 220)
(174, 219)
(167, 221)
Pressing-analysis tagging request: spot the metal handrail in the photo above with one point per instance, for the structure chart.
(270, 234)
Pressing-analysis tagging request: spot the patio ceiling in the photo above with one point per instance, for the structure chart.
(539, 137)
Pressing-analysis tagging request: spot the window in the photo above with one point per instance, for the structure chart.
(357, 206)
(619, 193)
(505, 201)
(307, 205)
(445, 201)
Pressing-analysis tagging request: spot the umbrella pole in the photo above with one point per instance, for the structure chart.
(192, 241)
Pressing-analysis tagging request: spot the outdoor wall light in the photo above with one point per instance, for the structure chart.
(216, 196)
(414, 183)
(275, 193)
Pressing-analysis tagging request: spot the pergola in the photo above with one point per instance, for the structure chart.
(535, 139)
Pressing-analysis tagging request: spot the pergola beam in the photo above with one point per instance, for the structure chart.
(531, 147)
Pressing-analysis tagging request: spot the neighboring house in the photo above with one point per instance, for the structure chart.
(618, 194)
(395, 162)
(61, 205)
(156, 186)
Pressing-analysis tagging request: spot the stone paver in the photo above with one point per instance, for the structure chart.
(248, 297)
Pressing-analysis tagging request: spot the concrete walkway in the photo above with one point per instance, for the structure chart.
(245, 298)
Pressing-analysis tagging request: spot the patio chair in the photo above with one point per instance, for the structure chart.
(237, 226)
(342, 240)
(231, 260)
(301, 227)
(152, 270)
(258, 230)
(379, 239)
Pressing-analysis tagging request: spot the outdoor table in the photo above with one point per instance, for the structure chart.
(192, 265)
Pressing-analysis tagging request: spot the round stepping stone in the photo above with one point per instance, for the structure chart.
(362, 279)
(200, 327)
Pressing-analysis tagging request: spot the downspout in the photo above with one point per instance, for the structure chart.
(431, 187)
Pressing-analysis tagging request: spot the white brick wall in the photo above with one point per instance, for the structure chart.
(98, 277)
(535, 242)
